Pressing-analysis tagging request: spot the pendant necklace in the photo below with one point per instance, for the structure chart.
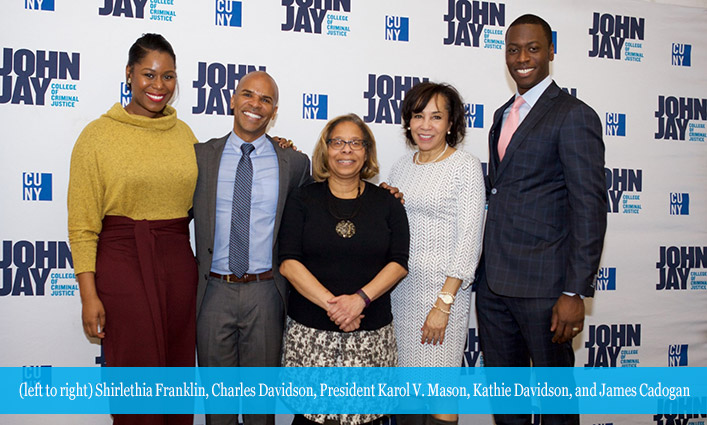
(344, 228)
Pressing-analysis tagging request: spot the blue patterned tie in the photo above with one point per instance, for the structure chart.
(240, 214)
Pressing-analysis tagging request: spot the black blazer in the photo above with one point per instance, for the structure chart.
(546, 201)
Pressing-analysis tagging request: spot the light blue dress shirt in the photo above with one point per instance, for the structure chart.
(263, 204)
(531, 97)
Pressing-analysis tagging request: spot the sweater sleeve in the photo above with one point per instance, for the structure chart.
(291, 228)
(85, 202)
(399, 249)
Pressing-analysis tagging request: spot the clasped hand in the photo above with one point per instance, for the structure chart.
(345, 311)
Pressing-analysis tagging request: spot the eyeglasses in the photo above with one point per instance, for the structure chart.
(338, 144)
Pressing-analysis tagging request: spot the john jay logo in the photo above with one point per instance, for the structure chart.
(675, 116)
(228, 13)
(606, 279)
(676, 268)
(39, 4)
(623, 187)
(681, 54)
(36, 186)
(309, 16)
(472, 350)
(695, 404)
(136, 9)
(33, 264)
(397, 28)
(615, 124)
(33, 76)
(125, 94)
(677, 355)
(679, 204)
(609, 34)
(613, 345)
(474, 115)
(214, 85)
(314, 106)
(468, 20)
(385, 96)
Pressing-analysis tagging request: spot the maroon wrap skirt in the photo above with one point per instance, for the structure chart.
(146, 277)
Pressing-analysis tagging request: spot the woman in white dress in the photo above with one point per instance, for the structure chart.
(444, 199)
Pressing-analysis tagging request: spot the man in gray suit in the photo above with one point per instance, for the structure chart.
(241, 295)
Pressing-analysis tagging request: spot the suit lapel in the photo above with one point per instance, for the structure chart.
(284, 181)
(539, 110)
(494, 134)
(213, 162)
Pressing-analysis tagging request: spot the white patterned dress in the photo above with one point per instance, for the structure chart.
(445, 207)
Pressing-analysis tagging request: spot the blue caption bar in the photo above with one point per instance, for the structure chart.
(353, 390)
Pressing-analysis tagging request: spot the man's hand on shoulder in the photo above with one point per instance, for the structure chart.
(567, 318)
(393, 191)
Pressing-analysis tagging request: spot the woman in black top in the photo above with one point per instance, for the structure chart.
(343, 246)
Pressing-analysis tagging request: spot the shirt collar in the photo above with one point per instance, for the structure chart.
(259, 143)
(532, 95)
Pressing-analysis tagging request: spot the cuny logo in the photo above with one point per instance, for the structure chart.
(314, 106)
(472, 350)
(136, 9)
(397, 28)
(572, 91)
(679, 204)
(308, 16)
(468, 20)
(607, 345)
(39, 375)
(609, 34)
(39, 4)
(681, 54)
(33, 264)
(606, 279)
(623, 187)
(677, 355)
(33, 75)
(681, 419)
(214, 85)
(385, 95)
(228, 13)
(125, 94)
(474, 115)
(36, 186)
(674, 116)
(615, 124)
(675, 268)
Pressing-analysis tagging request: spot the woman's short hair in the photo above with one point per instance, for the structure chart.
(147, 43)
(417, 98)
(320, 163)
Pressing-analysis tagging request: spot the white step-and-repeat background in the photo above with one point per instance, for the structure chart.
(639, 64)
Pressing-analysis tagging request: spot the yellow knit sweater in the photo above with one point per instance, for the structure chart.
(132, 166)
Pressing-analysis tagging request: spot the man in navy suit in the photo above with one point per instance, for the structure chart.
(546, 216)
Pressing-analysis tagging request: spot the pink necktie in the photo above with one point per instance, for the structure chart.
(509, 127)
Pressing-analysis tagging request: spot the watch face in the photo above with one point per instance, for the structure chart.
(446, 298)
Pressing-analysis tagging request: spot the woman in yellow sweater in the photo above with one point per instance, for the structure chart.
(133, 173)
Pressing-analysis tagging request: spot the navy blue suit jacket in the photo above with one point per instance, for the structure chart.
(546, 201)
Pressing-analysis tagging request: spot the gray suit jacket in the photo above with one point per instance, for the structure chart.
(546, 201)
(294, 172)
